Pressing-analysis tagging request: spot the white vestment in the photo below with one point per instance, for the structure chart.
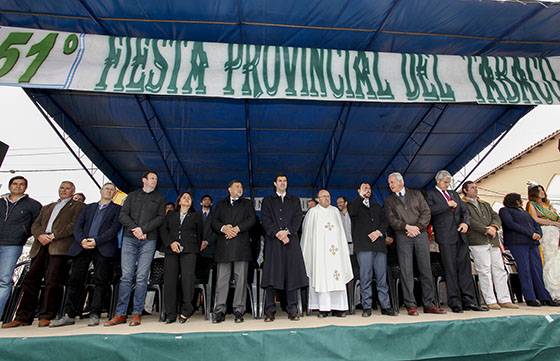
(327, 259)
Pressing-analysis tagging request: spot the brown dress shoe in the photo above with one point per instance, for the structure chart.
(15, 323)
(136, 320)
(412, 311)
(494, 306)
(44, 323)
(509, 305)
(436, 310)
(117, 320)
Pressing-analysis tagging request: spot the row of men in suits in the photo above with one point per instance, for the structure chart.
(63, 229)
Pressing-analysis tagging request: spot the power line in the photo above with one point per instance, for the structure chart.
(41, 170)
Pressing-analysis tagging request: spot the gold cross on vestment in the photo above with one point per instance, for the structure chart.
(336, 275)
(333, 250)
(329, 226)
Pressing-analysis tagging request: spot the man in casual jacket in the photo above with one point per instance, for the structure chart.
(408, 215)
(95, 240)
(142, 213)
(53, 233)
(484, 245)
(17, 213)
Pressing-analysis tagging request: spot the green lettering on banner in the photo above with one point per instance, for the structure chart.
(111, 61)
(546, 94)
(429, 90)
(349, 91)
(410, 83)
(176, 44)
(232, 63)
(487, 75)
(271, 89)
(549, 84)
(446, 94)
(521, 77)
(470, 66)
(199, 63)
(161, 65)
(250, 69)
(11, 55)
(42, 49)
(338, 92)
(290, 70)
(139, 60)
(304, 88)
(119, 85)
(502, 76)
(383, 92)
(362, 72)
(317, 70)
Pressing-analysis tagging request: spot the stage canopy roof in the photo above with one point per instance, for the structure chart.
(202, 143)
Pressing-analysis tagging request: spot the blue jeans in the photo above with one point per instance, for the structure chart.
(371, 262)
(8, 258)
(136, 259)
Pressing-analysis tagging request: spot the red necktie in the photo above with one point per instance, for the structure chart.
(448, 197)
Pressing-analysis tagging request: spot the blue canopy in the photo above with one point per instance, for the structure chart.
(202, 143)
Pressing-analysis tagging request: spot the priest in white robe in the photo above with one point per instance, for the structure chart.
(327, 258)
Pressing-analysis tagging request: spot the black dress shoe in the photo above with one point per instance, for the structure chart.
(269, 317)
(388, 312)
(238, 317)
(475, 307)
(218, 317)
(533, 303)
(293, 316)
(183, 318)
(366, 313)
(339, 314)
(323, 314)
(170, 320)
(551, 303)
(456, 309)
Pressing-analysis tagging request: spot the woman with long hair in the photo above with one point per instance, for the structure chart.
(543, 213)
(521, 236)
(182, 236)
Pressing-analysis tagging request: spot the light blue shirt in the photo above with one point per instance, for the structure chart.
(57, 208)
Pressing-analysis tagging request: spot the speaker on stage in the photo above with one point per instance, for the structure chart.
(3, 150)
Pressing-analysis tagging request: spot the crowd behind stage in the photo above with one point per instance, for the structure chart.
(88, 259)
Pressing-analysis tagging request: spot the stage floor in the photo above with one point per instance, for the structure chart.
(197, 324)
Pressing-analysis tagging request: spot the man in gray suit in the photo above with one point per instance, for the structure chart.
(450, 219)
(409, 215)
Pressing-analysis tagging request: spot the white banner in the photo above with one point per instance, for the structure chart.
(59, 60)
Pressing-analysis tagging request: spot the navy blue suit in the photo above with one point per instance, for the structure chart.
(102, 256)
(519, 228)
(106, 241)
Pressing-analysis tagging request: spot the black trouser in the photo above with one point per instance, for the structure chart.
(174, 265)
(203, 267)
(54, 270)
(270, 304)
(102, 275)
(456, 263)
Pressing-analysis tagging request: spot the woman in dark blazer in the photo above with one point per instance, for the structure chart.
(182, 236)
(521, 236)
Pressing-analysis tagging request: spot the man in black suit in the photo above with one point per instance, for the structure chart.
(409, 215)
(233, 218)
(205, 260)
(450, 219)
(369, 229)
(284, 268)
(95, 240)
